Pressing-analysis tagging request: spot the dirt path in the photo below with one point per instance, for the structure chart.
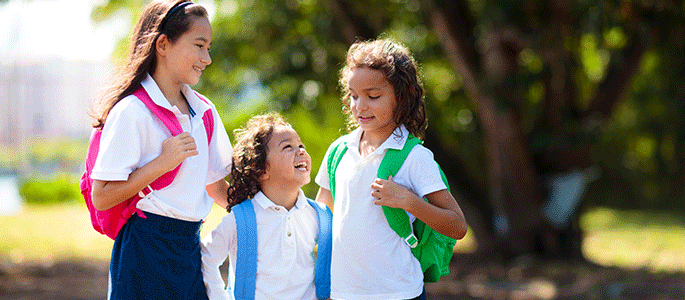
(470, 278)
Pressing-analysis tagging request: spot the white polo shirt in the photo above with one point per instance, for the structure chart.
(133, 136)
(369, 260)
(285, 251)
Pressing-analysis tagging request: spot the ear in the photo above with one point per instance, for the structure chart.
(162, 44)
(265, 176)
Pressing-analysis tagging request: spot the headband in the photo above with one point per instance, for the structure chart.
(171, 12)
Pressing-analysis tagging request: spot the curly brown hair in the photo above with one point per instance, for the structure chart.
(400, 70)
(249, 156)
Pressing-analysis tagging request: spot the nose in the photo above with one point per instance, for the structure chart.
(359, 104)
(206, 58)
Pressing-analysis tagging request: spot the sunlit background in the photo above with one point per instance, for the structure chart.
(55, 56)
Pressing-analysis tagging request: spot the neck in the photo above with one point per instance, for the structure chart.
(170, 89)
(280, 194)
(369, 141)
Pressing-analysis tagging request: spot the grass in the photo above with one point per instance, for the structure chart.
(625, 239)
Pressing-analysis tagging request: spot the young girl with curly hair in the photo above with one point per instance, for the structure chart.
(270, 166)
(383, 96)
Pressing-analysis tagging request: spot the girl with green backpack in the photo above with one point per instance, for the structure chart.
(374, 252)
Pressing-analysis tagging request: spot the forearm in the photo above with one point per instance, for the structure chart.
(441, 213)
(324, 196)
(219, 192)
(107, 194)
(214, 252)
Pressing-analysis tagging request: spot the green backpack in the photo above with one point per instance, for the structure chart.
(432, 249)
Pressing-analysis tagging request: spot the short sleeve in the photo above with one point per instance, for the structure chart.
(322, 178)
(121, 142)
(220, 151)
(423, 172)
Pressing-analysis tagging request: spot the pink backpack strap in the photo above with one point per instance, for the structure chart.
(208, 119)
(171, 122)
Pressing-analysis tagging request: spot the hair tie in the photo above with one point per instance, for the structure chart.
(171, 12)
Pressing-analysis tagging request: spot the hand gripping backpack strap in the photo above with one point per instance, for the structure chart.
(432, 249)
(170, 121)
(322, 275)
(390, 165)
(246, 256)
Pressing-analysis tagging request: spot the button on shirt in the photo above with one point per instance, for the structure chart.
(285, 251)
(369, 260)
(133, 136)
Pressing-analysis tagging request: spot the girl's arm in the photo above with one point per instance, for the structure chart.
(324, 196)
(219, 192)
(214, 250)
(441, 212)
(107, 194)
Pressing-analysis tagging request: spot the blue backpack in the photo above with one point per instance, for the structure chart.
(246, 257)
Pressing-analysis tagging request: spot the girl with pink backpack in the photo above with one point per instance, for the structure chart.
(162, 158)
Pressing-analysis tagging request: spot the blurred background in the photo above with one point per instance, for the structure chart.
(559, 125)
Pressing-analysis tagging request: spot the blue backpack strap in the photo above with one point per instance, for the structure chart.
(246, 256)
(322, 275)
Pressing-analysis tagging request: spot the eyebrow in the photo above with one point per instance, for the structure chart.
(202, 38)
(372, 88)
(285, 140)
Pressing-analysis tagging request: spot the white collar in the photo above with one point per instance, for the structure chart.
(264, 202)
(396, 140)
(158, 97)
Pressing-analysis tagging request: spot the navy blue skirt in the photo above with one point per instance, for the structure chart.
(157, 258)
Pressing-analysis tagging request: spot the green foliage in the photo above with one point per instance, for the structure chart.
(285, 56)
(58, 189)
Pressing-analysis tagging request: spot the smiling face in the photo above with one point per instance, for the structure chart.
(287, 162)
(372, 102)
(188, 56)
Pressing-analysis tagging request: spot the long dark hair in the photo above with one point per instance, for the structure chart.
(400, 70)
(249, 156)
(159, 17)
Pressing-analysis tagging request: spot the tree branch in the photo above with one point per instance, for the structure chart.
(622, 70)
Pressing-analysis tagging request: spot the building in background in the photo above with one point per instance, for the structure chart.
(48, 98)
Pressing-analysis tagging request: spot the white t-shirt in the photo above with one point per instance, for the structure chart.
(369, 260)
(133, 136)
(285, 251)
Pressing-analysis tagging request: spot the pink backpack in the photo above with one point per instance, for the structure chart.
(110, 221)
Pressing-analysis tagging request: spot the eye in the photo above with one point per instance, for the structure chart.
(301, 146)
(374, 97)
(287, 146)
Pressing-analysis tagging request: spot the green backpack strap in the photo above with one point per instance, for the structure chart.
(390, 165)
(338, 148)
(432, 249)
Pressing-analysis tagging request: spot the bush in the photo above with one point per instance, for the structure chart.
(60, 188)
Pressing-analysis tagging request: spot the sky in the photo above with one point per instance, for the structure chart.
(40, 29)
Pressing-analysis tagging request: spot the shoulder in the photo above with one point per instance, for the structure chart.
(130, 106)
(420, 153)
(204, 98)
(227, 223)
(318, 206)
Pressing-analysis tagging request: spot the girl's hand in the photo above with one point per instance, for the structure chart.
(177, 148)
(391, 194)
